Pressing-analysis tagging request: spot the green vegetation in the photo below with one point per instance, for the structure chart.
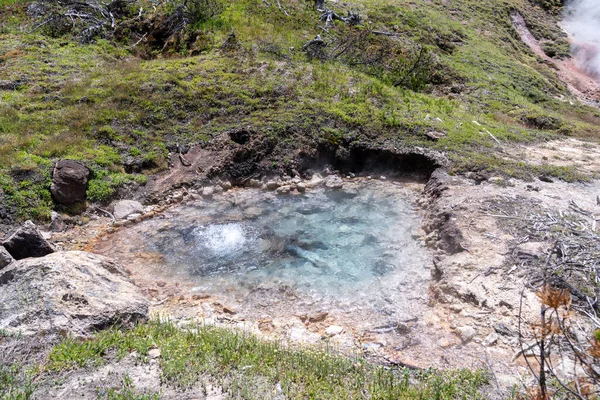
(241, 363)
(119, 103)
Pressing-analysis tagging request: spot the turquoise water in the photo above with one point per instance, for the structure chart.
(326, 243)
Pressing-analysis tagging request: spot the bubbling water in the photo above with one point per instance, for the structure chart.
(267, 254)
(323, 243)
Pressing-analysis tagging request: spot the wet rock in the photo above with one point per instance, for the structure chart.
(27, 242)
(67, 293)
(208, 191)
(272, 185)
(252, 212)
(300, 187)
(490, 340)
(315, 181)
(284, 189)
(69, 182)
(5, 258)
(466, 333)
(125, 208)
(334, 182)
(56, 222)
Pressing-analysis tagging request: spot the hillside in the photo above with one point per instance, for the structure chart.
(124, 100)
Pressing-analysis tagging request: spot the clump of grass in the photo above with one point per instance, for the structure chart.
(229, 356)
(125, 391)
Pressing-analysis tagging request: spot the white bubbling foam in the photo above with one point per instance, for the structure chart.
(222, 238)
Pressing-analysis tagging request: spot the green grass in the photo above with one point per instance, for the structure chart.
(101, 103)
(234, 360)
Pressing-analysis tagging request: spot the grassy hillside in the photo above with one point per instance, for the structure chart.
(121, 101)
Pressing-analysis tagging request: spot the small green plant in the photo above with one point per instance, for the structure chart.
(126, 391)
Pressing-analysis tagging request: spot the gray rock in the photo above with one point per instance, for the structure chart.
(56, 222)
(5, 258)
(284, 189)
(27, 242)
(69, 182)
(125, 208)
(208, 191)
(134, 216)
(466, 333)
(301, 187)
(490, 339)
(272, 185)
(67, 293)
(334, 182)
(226, 185)
(255, 183)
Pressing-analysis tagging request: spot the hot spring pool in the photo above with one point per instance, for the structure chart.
(350, 250)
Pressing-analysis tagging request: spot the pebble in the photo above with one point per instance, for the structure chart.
(490, 339)
(466, 333)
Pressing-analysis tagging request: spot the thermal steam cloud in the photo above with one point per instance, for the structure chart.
(582, 21)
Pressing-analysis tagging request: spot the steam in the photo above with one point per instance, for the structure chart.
(582, 21)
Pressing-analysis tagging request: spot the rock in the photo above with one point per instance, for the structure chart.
(532, 250)
(435, 135)
(69, 182)
(490, 339)
(178, 196)
(56, 222)
(318, 317)
(208, 191)
(252, 212)
(333, 330)
(134, 216)
(125, 208)
(226, 185)
(67, 293)
(466, 333)
(153, 353)
(272, 185)
(5, 258)
(254, 183)
(26, 242)
(315, 181)
(301, 187)
(334, 182)
(284, 189)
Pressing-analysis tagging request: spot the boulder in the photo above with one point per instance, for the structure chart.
(125, 208)
(334, 182)
(72, 293)
(26, 242)
(5, 258)
(69, 182)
